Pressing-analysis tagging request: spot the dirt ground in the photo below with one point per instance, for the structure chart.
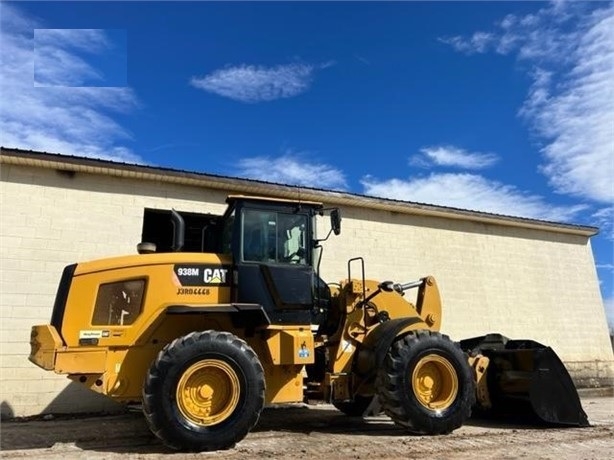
(303, 432)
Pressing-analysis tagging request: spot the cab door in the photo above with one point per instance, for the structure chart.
(274, 265)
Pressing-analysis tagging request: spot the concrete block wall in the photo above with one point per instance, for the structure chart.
(49, 220)
(522, 283)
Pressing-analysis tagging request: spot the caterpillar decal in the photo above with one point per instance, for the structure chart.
(202, 275)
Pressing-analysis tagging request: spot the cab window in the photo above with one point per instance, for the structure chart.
(274, 237)
(119, 303)
(227, 233)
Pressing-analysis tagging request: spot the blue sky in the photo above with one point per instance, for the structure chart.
(503, 107)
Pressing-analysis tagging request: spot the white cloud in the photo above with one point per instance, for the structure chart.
(248, 83)
(448, 155)
(67, 120)
(291, 168)
(604, 219)
(479, 42)
(570, 105)
(577, 118)
(533, 35)
(56, 67)
(55, 64)
(470, 191)
(605, 266)
(90, 40)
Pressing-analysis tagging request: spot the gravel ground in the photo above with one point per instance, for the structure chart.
(302, 432)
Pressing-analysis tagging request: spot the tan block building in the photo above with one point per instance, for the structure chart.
(522, 278)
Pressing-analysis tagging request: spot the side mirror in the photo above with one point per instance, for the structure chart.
(335, 221)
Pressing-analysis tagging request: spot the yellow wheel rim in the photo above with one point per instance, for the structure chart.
(208, 392)
(435, 382)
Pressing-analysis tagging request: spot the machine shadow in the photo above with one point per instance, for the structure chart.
(305, 420)
(86, 431)
(128, 433)
(302, 419)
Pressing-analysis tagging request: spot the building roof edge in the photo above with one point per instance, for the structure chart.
(235, 185)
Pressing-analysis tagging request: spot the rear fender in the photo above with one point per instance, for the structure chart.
(242, 315)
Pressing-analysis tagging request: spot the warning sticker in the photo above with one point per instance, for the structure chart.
(92, 334)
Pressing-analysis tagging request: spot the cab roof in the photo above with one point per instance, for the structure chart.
(231, 199)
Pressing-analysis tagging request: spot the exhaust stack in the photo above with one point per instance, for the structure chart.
(178, 230)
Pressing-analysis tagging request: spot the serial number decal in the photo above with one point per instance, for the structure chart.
(202, 274)
(193, 291)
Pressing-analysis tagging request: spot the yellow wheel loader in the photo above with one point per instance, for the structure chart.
(205, 340)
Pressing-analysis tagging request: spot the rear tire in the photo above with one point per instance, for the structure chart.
(425, 384)
(204, 391)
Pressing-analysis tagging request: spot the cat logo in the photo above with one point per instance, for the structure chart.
(186, 275)
(215, 275)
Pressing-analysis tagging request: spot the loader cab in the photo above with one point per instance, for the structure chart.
(274, 250)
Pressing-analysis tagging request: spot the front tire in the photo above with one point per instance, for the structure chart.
(425, 384)
(204, 391)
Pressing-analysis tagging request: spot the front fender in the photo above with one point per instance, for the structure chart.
(377, 343)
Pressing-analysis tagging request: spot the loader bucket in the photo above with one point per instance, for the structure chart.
(527, 381)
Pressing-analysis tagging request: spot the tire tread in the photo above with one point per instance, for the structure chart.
(169, 433)
(398, 401)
